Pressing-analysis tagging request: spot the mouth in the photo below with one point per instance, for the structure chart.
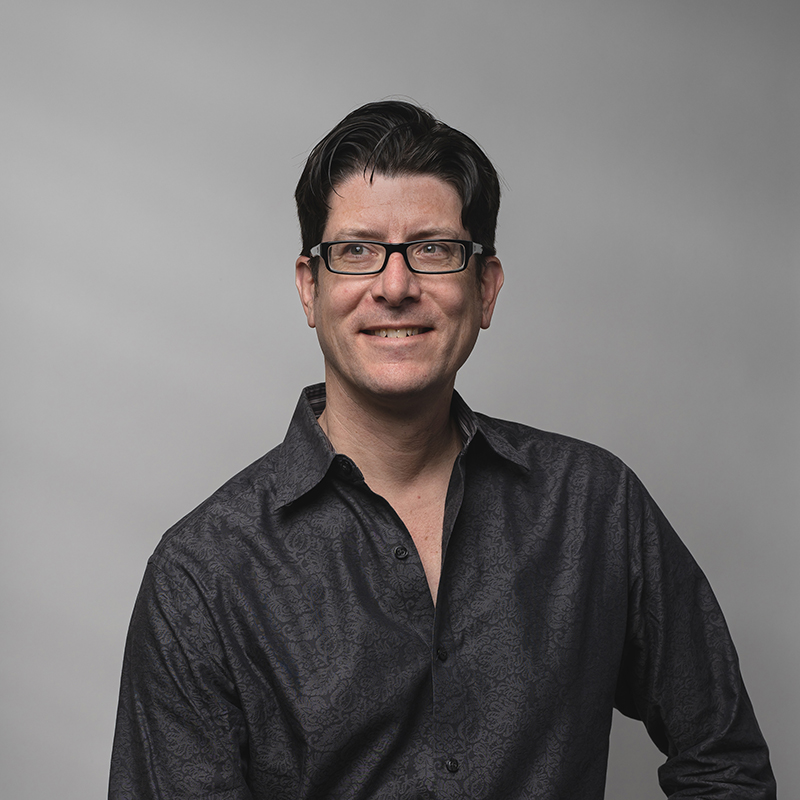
(395, 333)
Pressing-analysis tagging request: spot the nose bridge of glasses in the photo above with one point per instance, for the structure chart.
(397, 249)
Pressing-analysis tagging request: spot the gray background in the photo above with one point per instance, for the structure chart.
(153, 345)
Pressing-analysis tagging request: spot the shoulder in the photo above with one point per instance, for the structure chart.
(539, 450)
(224, 523)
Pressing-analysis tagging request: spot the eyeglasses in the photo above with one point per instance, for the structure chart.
(428, 257)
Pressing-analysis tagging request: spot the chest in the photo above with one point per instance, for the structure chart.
(423, 517)
(338, 636)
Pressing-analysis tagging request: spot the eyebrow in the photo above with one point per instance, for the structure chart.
(367, 235)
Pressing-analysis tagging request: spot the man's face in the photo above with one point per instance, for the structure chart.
(353, 313)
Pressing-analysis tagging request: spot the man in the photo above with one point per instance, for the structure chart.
(407, 599)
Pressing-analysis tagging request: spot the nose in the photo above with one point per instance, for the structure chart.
(396, 283)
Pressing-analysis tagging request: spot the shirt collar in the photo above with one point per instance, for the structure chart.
(306, 453)
(493, 432)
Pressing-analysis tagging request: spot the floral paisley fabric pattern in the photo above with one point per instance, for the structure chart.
(284, 643)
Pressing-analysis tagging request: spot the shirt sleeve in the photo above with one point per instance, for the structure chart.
(680, 672)
(180, 731)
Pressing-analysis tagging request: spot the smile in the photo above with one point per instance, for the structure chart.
(395, 333)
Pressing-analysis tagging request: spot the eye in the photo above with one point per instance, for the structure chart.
(357, 250)
(430, 251)
(353, 251)
(354, 256)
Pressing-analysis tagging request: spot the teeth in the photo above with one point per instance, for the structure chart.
(395, 333)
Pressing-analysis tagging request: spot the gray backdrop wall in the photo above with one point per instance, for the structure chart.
(153, 344)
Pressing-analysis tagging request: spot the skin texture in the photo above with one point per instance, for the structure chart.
(450, 309)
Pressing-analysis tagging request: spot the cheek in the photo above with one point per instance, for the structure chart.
(466, 306)
(333, 309)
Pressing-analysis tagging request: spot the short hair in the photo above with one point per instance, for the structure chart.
(395, 138)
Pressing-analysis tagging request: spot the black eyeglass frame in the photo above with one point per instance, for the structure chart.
(470, 249)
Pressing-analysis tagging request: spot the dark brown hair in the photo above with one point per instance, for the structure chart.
(394, 138)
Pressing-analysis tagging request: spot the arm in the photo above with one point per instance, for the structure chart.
(680, 672)
(180, 732)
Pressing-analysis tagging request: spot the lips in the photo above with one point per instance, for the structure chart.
(395, 333)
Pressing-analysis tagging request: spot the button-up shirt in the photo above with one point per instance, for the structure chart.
(284, 643)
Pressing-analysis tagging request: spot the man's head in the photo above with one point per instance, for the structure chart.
(393, 139)
(390, 173)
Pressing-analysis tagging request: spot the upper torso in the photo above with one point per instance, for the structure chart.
(344, 679)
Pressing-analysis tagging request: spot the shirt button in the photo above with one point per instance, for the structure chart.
(451, 765)
(345, 466)
(441, 654)
(401, 552)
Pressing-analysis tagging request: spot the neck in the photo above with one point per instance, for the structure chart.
(394, 444)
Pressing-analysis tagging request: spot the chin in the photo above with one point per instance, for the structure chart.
(406, 387)
(392, 382)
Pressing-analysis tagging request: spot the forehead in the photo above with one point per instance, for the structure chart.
(407, 206)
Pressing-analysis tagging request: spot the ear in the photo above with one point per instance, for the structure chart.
(306, 287)
(491, 283)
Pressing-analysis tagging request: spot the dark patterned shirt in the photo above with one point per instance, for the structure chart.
(285, 645)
